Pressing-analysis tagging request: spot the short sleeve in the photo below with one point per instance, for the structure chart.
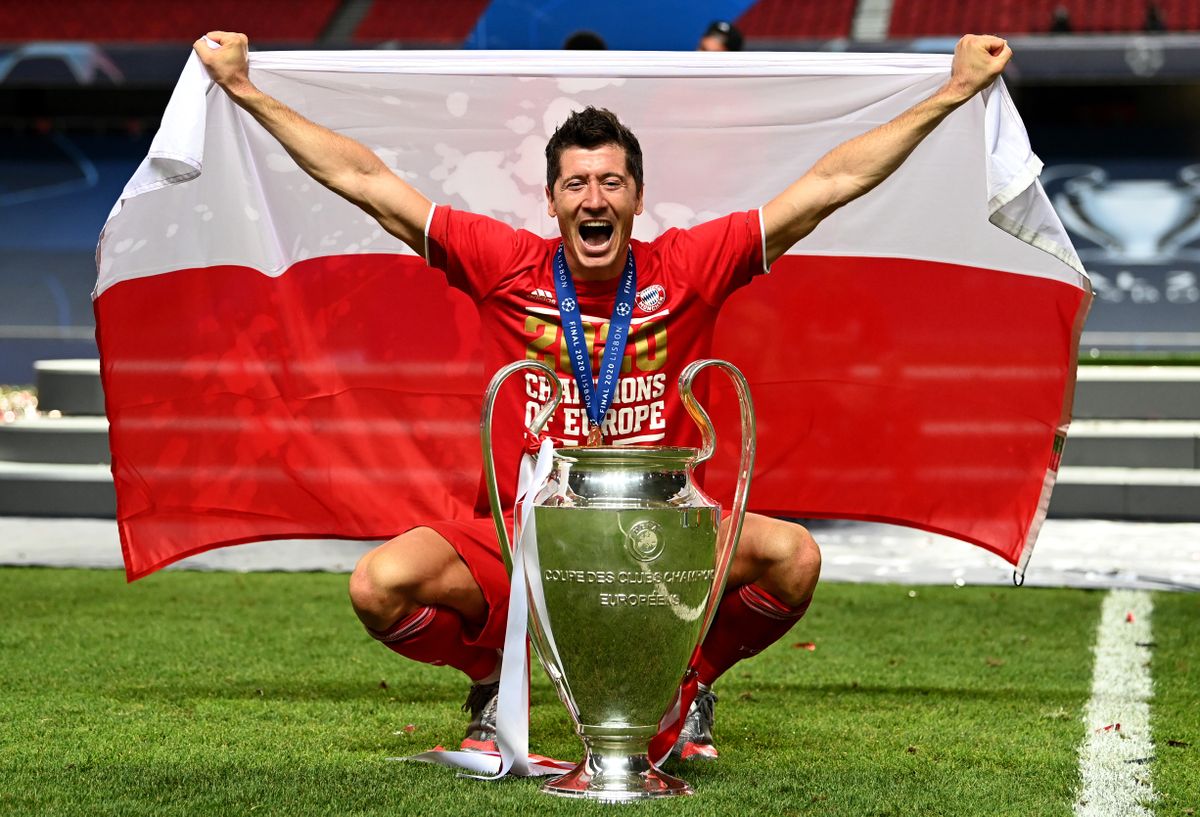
(718, 256)
(474, 251)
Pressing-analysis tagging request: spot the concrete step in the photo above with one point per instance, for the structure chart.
(44, 489)
(69, 386)
(1159, 494)
(1138, 392)
(1133, 443)
(55, 440)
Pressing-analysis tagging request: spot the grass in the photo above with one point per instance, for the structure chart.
(1175, 712)
(1116, 357)
(210, 693)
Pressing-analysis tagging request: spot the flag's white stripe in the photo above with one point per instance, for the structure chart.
(281, 217)
(1114, 764)
(605, 64)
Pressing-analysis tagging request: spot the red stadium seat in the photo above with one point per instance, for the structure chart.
(923, 18)
(153, 21)
(797, 19)
(441, 22)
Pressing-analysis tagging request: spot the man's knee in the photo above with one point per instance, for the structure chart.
(388, 582)
(805, 552)
(788, 558)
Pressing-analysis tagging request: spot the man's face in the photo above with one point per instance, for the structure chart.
(712, 42)
(595, 199)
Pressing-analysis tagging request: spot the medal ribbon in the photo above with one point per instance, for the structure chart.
(596, 396)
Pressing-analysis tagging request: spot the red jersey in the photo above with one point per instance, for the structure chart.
(683, 277)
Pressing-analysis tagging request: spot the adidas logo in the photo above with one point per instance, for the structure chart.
(543, 295)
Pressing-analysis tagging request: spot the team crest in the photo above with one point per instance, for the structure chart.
(651, 298)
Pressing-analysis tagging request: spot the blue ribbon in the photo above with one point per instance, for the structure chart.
(597, 396)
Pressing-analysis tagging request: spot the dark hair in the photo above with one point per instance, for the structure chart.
(585, 41)
(728, 32)
(589, 129)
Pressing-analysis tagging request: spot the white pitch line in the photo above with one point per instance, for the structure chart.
(1114, 764)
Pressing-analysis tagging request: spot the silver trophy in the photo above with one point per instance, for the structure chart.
(630, 562)
(1135, 221)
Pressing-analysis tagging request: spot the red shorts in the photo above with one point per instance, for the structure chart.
(475, 542)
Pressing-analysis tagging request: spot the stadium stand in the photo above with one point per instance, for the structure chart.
(922, 18)
(153, 21)
(797, 19)
(442, 22)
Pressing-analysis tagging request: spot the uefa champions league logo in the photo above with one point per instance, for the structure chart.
(1135, 221)
(644, 540)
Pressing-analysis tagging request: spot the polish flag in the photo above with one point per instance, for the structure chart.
(276, 366)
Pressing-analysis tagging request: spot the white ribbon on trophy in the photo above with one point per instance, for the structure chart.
(512, 706)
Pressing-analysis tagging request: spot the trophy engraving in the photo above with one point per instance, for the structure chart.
(644, 540)
(625, 530)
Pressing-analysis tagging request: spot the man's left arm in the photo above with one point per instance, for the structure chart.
(859, 165)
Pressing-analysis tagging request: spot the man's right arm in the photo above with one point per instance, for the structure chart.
(345, 166)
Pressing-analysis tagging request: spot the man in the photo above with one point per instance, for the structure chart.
(720, 36)
(438, 593)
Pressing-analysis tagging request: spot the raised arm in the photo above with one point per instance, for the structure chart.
(857, 166)
(345, 166)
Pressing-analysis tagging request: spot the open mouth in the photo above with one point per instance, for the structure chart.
(595, 234)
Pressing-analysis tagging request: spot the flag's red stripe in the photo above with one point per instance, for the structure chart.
(905, 391)
(342, 398)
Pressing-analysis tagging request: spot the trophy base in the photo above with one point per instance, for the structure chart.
(615, 777)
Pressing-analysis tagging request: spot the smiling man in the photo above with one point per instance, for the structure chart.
(638, 311)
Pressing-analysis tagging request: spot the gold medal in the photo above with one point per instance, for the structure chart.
(595, 437)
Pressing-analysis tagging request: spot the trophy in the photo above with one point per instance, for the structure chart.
(626, 561)
(1135, 221)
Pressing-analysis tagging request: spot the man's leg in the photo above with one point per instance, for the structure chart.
(770, 585)
(417, 596)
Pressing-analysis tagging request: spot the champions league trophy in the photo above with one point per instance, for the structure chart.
(626, 568)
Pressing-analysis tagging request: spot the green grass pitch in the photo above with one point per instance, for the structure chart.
(220, 694)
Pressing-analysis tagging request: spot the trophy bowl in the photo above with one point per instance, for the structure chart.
(626, 560)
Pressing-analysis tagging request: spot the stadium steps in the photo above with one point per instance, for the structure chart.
(1133, 451)
(70, 386)
(55, 440)
(1138, 392)
(57, 464)
(56, 489)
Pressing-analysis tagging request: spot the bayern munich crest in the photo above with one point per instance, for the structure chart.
(651, 298)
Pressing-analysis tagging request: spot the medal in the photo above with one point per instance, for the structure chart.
(597, 395)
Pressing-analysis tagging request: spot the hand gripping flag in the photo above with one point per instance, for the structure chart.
(277, 366)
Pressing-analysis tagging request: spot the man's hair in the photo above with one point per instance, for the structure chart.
(590, 129)
(728, 32)
(585, 41)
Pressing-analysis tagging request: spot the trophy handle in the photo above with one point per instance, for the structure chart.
(485, 434)
(727, 543)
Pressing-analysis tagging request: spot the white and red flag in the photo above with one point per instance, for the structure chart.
(276, 366)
